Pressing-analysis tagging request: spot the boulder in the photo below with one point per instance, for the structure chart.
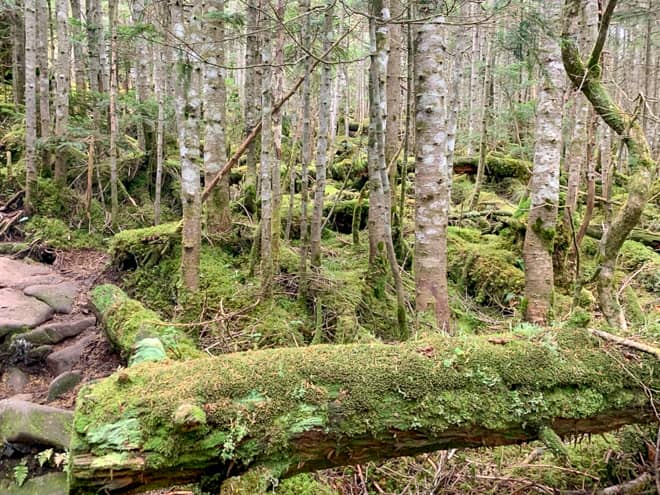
(52, 333)
(15, 380)
(48, 484)
(38, 354)
(63, 383)
(18, 311)
(60, 297)
(14, 273)
(66, 359)
(34, 424)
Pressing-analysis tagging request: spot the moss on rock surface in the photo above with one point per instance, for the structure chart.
(309, 408)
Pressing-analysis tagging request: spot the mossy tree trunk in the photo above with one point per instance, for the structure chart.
(266, 167)
(432, 172)
(544, 188)
(295, 410)
(587, 77)
(252, 105)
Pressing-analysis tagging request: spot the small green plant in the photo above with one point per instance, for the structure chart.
(44, 456)
(20, 473)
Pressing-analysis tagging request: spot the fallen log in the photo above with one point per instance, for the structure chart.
(646, 237)
(286, 411)
(497, 166)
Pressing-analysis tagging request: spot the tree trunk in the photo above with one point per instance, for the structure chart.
(114, 131)
(79, 58)
(544, 187)
(43, 79)
(432, 173)
(188, 110)
(218, 218)
(306, 154)
(267, 163)
(325, 99)
(94, 45)
(30, 103)
(62, 85)
(393, 127)
(303, 409)
(253, 78)
(160, 89)
(17, 29)
(587, 77)
(142, 78)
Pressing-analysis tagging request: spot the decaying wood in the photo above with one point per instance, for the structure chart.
(302, 409)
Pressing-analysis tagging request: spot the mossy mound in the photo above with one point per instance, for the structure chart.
(484, 267)
(145, 247)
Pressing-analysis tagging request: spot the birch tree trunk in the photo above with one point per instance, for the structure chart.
(30, 19)
(267, 162)
(544, 187)
(188, 111)
(114, 197)
(218, 217)
(431, 172)
(94, 45)
(42, 73)
(160, 89)
(325, 100)
(306, 155)
(62, 86)
(253, 78)
(79, 58)
(142, 79)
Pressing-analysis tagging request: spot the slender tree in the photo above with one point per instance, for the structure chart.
(188, 112)
(112, 113)
(218, 217)
(544, 188)
(267, 163)
(62, 84)
(30, 17)
(325, 99)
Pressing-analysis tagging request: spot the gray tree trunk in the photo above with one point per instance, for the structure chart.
(325, 100)
(544, 187)
(218, 218)
(30, 17)
(62, 74)
(432, 174)
(188, 104)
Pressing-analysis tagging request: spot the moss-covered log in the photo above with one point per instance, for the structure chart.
(646, 237)
(498, 166)
(137, 332)
(302, 409)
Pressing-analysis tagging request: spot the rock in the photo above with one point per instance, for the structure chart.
(48, 484)
(19, 311)
(25, 422)
(64, 360)
(38, 354)
(15, 380)
(63, 383)
(24, 397)
(15, 274)
(59, 297)
(52, 333)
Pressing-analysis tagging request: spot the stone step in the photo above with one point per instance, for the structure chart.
(57, 331)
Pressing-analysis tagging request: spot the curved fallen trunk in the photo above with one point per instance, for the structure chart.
(293, 410)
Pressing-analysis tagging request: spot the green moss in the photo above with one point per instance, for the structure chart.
(358, 391)
(145, 247)
(303, 484)
(55, 233)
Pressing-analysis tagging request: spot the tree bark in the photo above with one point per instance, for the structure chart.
(114, 131)
(17, 29)
(43, 76)
(325, 99)
(266, 167)
(544, 188)
(303, 409)
(188, 113)
(79, 59)
(62, 85)
(94, 45)
(253, 78)
(30, 17)
(218, 218)
(431, 173)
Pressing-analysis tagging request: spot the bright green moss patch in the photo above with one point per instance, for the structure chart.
(135, 248)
